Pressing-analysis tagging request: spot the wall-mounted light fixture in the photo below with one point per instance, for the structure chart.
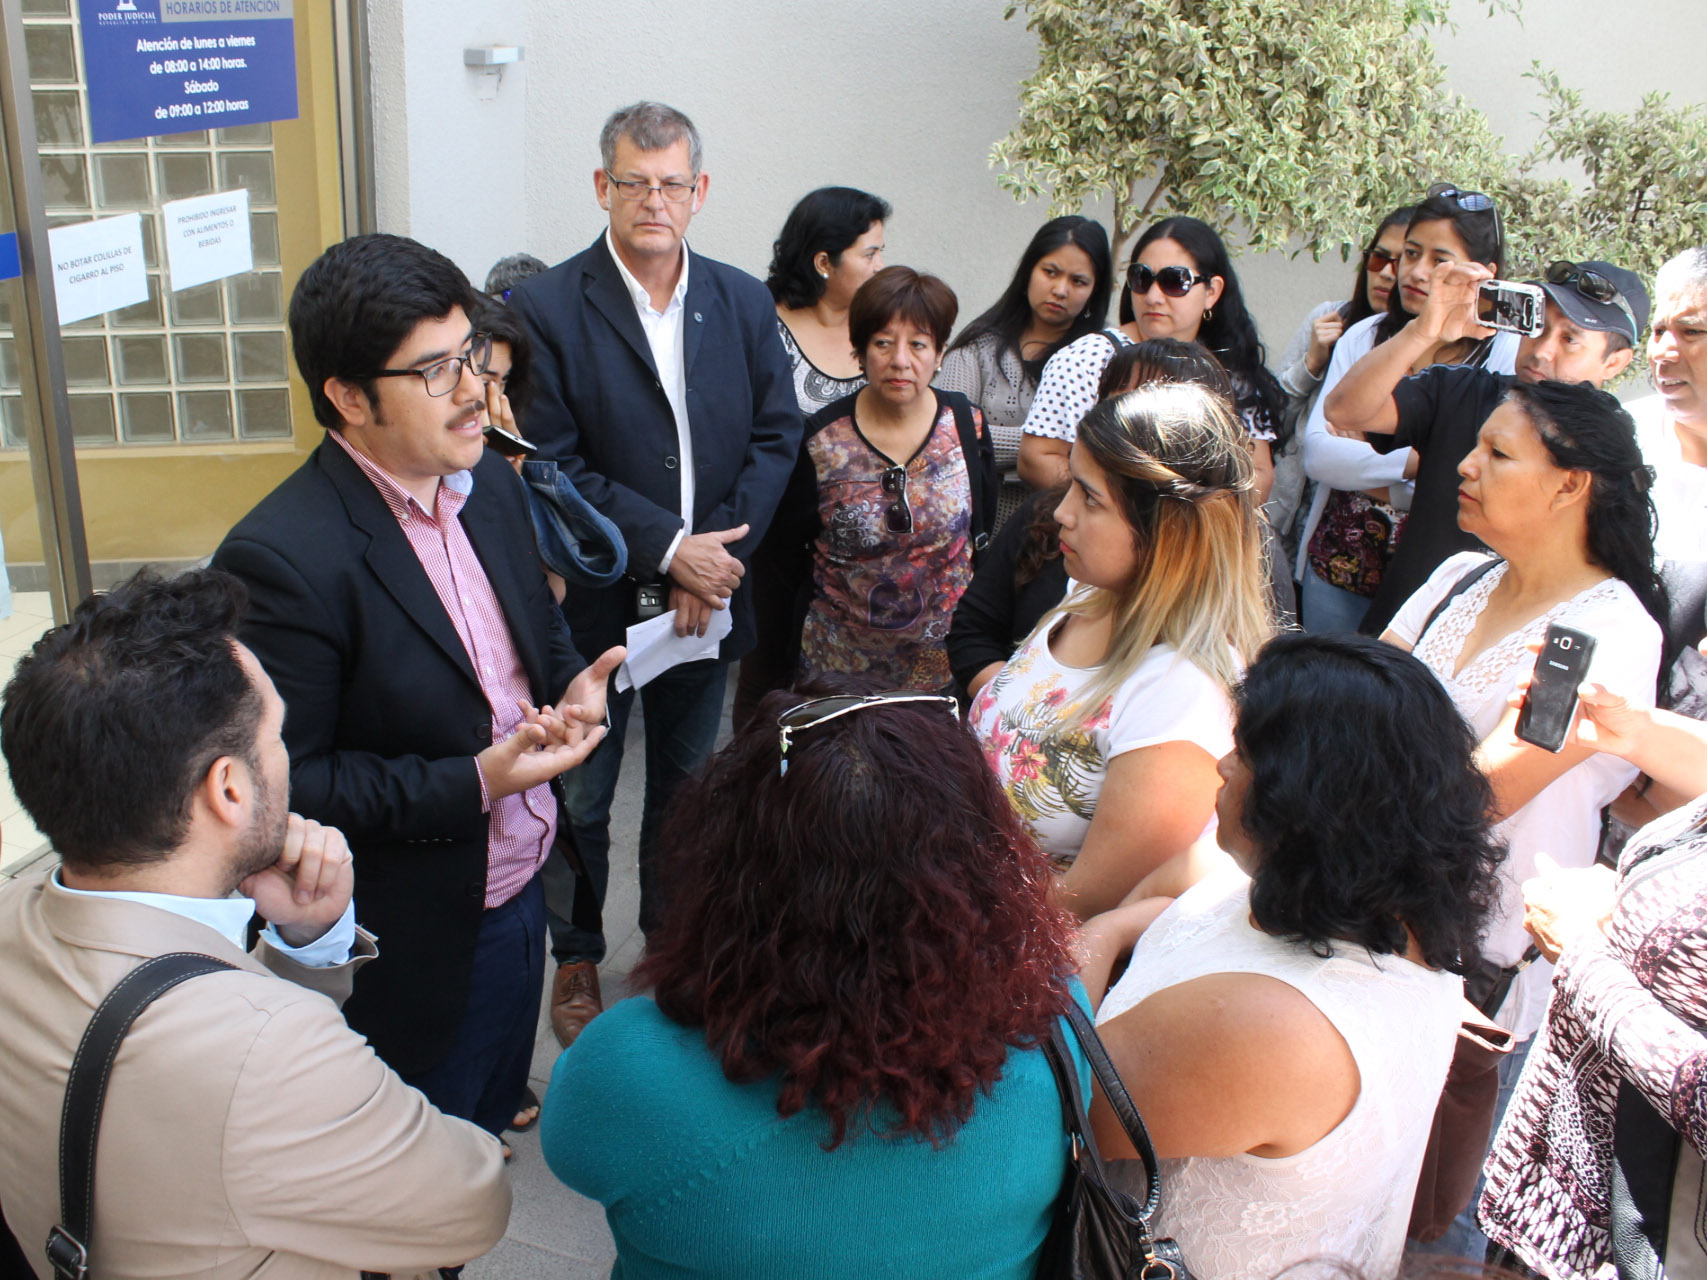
(490, 60)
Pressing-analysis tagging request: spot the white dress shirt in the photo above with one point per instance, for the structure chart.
(663, 331)
(229, 917)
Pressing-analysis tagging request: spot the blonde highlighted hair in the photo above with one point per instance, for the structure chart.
(1178, 464)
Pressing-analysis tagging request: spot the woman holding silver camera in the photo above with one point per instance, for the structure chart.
(1361, 498)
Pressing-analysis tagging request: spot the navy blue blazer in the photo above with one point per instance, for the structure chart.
(597, 408)
(384, 715)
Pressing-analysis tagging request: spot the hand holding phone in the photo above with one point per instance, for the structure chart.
(1551, 703)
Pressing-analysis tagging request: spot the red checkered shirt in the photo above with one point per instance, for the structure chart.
(523, 825)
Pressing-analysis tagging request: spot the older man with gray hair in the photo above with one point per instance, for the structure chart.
(661, 389)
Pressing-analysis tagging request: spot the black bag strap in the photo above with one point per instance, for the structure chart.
(1470, 579)
(969, 449)
(86, 1093)
(1114, 1090)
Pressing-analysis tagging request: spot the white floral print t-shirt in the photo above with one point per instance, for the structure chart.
(1055, 780)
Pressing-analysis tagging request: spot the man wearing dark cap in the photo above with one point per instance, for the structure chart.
(1595, 314)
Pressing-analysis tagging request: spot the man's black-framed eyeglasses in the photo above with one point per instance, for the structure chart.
(1594, 286)
(636, 190)
(441, 376)
(897, 516)
(1176, 282)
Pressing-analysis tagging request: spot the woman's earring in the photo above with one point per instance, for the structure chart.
(823, 275)
(1208, 314)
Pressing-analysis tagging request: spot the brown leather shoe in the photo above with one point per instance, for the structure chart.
(575, 999)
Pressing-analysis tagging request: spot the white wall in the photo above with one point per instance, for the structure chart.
(901, 97)
(451, 143)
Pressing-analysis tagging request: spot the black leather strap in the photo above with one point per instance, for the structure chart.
(86, 1093)
(1468, 580)
(1114, 1090)
(967, 431)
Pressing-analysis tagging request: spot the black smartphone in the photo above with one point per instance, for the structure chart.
(1552, 698)
(508, 443)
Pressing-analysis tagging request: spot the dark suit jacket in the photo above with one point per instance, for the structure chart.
(597, 408)
(384, 715)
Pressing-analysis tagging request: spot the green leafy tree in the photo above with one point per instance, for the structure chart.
(1642, 192)
(1304, 119)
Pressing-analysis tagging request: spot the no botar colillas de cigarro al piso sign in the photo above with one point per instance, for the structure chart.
(178, 66)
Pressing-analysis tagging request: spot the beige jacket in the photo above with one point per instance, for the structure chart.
(248, 1132)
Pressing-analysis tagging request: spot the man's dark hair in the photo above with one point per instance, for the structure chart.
(507, 273)
(357, 303)
(110, 721)
(1365, 804)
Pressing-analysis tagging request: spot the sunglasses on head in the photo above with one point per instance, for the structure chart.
(1469, 202)
(1593, 286)
(1176, 282)
(809, 715)
(897, 516)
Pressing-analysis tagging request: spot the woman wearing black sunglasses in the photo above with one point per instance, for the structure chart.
(1362, 496)
(1179, 284)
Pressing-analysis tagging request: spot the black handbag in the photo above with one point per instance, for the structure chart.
(1099, 1232)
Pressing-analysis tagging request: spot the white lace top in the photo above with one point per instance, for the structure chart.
(1347, 1197)
(1563, 820)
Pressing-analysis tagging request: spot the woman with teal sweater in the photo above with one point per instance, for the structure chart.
(836, 1073)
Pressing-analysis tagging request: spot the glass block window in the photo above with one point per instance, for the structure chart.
(206, 365)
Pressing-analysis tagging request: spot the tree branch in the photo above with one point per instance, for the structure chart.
(1161, 186)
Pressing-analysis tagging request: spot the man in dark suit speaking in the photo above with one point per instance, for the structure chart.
(432, 691)
(660, 386)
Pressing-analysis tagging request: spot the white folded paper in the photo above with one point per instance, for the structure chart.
(654, 647)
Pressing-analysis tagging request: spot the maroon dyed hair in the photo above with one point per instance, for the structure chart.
(874, 927)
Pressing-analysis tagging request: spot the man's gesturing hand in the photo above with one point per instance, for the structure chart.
(305, 892)
(583, 704)
(541, 748)
(703, 566)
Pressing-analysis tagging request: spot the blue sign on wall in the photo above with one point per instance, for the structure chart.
(9, 265)
(173, 66)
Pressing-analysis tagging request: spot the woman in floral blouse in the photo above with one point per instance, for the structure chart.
(876, 529)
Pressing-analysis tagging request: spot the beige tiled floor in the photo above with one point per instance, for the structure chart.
(32, 614)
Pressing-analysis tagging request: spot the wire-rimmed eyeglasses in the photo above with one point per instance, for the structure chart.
(635, 190)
